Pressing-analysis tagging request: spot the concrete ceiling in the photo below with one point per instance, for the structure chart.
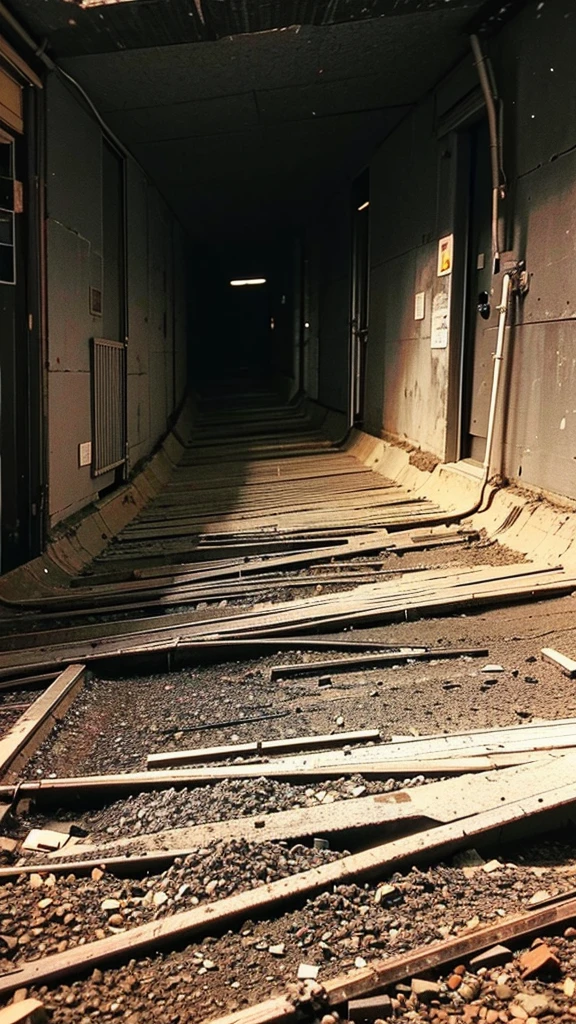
(248, 133)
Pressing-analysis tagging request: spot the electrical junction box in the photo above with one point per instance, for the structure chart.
(85, 453)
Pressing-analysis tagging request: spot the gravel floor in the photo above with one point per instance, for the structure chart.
(114, 724)
(330, 931)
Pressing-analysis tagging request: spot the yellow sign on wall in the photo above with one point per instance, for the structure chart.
(445, 251)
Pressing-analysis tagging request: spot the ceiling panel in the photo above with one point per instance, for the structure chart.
(72, 29)
(248, 113)
(406, 55)
(187, 119)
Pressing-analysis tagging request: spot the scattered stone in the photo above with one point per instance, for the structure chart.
(534, 1004)
(278, 950)
(97, 874)
(36, 881)
(569, 987)
(491, 865)
(384, 893)
(360, 962)
(494, 957)
(539, 897)
(110, 904)
(159, 898)
(425, 989)
(308, 972)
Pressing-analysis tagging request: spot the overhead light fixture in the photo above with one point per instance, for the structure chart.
(364, 205)
(242, 282)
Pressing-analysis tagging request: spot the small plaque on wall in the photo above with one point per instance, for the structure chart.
(440, 320)
(95, 302)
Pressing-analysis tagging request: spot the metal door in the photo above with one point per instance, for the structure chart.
(21, 494)
(481, 313)
(359, 297)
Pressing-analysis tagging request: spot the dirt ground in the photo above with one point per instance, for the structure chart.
(115, 723)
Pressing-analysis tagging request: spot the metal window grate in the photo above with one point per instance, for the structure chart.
(108, 405)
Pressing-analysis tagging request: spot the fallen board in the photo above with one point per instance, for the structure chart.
(370, 660)
(441, 590)
(380, 974)
(437, 802)
(567, 665)
(47, 792)
(26, 735)
(173, 758)
(528, 815)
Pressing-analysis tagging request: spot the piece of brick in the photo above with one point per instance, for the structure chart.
(540, 958)
(369, 1010)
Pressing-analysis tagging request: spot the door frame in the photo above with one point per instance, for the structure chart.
(29, 413)
(454, 129)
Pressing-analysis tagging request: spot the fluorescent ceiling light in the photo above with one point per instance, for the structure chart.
(364, 205)
(248, 280)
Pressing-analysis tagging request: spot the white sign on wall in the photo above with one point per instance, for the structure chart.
(440, 319)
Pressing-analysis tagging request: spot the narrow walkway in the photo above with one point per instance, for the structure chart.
(247, 539)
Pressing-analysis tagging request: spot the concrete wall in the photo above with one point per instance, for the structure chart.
(412, 393)
(406, 380)
(155, 286)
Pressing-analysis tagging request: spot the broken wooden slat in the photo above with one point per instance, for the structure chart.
(445, 592)
(567, 665)
(527, 815)
(26, 1011)
(26, 735)
(46, 792)
(369, 660)
(174, 758)
(380, 974)
(438, 802)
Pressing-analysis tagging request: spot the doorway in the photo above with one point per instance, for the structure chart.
(481, 317)
(359, 296)
(21, 418)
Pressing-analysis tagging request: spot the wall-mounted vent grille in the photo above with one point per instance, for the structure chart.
(108, 405)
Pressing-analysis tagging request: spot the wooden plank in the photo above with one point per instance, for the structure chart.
(446, 588)
(439, 802)
(527, 815)
(382, 973)
(172, 758)
(50, 791)
(26, 735)
(26, 1011)
(368, 660)
(567, 665)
